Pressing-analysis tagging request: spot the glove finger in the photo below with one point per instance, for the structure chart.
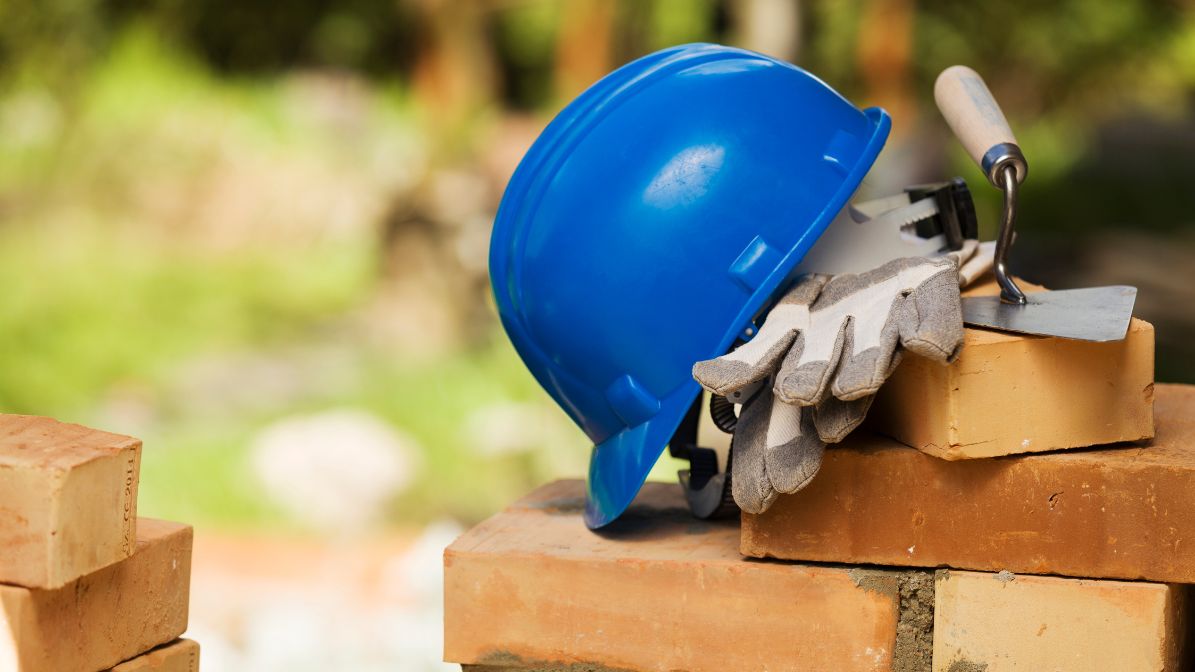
(962, 255)
(931, 319)
(808, 369)
(835, 418)
(861, 373)
(758, 358)
(749, 483)
(854, 311)
(877, 301)
(978, 265)
(795, 451)
(749, 363)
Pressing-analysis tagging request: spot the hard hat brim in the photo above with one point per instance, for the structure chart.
(619, 466)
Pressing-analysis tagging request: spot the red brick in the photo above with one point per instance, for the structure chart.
(1008, 394)
(68, 500)
(657, 590)
(178, 656)
(1006, 623)
(1123, 512)
(106, 617)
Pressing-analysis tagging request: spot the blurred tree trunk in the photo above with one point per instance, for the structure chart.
(771, 27)
(454, 74)
(633, 31)
(584, 52)
(884, 54)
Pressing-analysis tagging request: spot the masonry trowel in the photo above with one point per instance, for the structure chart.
(1088, 314)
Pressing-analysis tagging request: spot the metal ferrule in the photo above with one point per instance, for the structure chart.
(999, 156)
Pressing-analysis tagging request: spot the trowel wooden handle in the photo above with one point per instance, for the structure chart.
(977, 121)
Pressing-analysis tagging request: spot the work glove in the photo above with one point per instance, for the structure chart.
(809, 376)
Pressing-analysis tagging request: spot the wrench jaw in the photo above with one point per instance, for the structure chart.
(925, 220)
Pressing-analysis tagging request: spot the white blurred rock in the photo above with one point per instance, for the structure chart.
(507, 428)
(418, 574)
(413, 629)
(334, 470)
(355, 605)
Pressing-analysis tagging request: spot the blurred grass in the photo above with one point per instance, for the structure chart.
(113, 289)
(83, 312)
(199, 470)
(88, 318)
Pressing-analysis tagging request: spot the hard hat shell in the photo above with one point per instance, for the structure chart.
(652, 219)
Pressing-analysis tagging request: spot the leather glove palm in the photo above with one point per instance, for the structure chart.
(808, 377)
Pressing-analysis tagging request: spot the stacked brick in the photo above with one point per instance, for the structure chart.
(1017, 510)
(85, 585)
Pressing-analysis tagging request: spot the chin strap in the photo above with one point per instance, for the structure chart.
(707, 490)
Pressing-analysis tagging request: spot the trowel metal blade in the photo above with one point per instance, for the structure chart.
(1088, 314)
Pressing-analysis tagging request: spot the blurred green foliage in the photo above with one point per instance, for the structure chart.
(173, 178)
(199, 469)
(93, 295)
(83, 312)
(106, 304)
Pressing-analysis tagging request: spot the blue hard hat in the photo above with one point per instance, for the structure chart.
(651, 221)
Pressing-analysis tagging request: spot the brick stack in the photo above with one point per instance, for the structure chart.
(961, 534)
(85, 585)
